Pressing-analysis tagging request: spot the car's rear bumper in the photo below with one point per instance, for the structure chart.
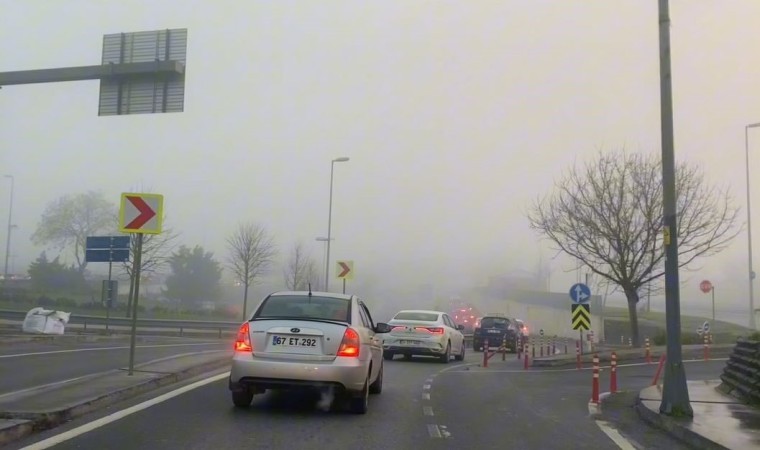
(408, 350)
(259, 373)
(420, 346)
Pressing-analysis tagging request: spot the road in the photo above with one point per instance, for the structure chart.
(424, 404)
(33, 364)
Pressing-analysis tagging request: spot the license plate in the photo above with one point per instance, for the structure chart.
(494, 331)
(409, 342)
(293, 341)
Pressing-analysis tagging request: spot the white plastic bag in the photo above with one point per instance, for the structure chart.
(45, 321)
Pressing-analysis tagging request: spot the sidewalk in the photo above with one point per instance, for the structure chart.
(720, 421)
(27, 411)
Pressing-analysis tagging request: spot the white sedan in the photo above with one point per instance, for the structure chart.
(421, 332)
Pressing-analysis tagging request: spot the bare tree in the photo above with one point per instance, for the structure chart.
(608, 214)
(251, 251)
(68, 220)
(156, 250)
(301, 270)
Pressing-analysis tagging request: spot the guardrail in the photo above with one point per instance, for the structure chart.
(177, 324)
(181, 325)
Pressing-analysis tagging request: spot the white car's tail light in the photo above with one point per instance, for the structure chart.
(350, 344)
(243, 340)
(431, 330)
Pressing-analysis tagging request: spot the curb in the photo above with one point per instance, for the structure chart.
(586, 360)
(23, 424)
(675, 427)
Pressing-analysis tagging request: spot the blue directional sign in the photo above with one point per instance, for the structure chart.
(107, 249)
(106, 255)
(107, 242)
(580, 293)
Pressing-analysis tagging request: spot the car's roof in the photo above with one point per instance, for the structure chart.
(313, 293)
(429, 311)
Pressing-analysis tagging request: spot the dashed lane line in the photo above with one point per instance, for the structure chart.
(427, 410)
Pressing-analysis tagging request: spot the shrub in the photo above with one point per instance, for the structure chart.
(63, 302)
(661, 338)
(45, 301)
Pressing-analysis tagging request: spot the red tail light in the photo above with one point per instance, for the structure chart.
(350, 344)
(399, 328)
(243, 340)
(432, 330)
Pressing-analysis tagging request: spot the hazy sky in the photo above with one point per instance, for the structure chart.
(455, 114)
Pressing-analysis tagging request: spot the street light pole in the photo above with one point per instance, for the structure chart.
(10, 227)
(324, 260)
(329, 222)
(752, 323)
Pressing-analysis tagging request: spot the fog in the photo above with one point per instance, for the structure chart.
(455, 116)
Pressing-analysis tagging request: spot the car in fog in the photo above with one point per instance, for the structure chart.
(304, 339)
(424, 333)
(497, 330)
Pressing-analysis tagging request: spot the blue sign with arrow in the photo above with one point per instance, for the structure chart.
(580, 293)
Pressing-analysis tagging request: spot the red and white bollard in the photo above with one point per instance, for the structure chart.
(595, 382)
(533, 346)
(541, 346)
(656, 378)
(613, 373)
(578, 364)
(648, 352)
(566, 346)
(525, 362)
(485, 353)
(554, 346)
(706, 346)
(519, 346)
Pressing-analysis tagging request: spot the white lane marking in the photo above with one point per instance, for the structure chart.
(426, 387)
(104, 348)
(429, 380)
(427, 410)
(615, 435)
(444, 431)
(434, 431)
(426, 395)
(63, 437)
(548, 370)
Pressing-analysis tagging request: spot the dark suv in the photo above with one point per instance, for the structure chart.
(496, 329)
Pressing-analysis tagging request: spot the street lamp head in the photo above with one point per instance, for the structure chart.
(8, 176)
(753, 125)
(341, 159)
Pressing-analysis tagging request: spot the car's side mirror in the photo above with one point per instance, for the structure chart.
(381, 327)
(460, 327)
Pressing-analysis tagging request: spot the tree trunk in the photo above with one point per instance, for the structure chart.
(245, 302)
(633, 316)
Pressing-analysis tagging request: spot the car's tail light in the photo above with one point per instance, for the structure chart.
(243, 340)
(432, 330)
(350, 344)
(398, 328)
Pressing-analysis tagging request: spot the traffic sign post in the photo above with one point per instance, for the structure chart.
(107, 249)
(706, 286)
(580, 294)
(344, 271)
(141, 214)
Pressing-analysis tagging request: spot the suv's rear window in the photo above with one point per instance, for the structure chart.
(406, 315)
(494, 322)
(304, 307)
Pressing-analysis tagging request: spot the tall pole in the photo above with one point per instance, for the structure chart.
(329, 222)
(675, 394)
(751, 274)
(136, 276)
(10, 227)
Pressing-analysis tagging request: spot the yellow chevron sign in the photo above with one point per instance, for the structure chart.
(581, 316)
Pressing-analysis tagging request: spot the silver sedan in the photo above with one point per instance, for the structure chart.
(304, 339)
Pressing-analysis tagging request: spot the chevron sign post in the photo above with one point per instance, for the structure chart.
(580, 294)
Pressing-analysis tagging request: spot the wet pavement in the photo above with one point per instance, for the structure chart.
(720, 421)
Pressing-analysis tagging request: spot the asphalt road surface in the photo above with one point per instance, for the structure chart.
(32, 364)
(424, 404)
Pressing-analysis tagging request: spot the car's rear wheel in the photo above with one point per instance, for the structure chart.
(446, 357)
(387, 356)
(460, 356)
(377, 386)
(360, 404)
(242, 399)
(407, 356)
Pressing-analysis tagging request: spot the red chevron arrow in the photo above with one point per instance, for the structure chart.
(345, 271)
(146, 213)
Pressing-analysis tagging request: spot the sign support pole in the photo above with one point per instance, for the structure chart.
(109, 294)
(713, 304)
(344, 285)
(580, 333)
(136, 275)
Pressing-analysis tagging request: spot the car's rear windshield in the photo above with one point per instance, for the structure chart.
(305, 307)
(409, 315)
(494, 322)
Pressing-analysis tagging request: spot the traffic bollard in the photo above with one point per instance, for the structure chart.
(566, 347)
(648, 352)
(541, 346)
(663, 357)
(504, 348)
(706, 347)
(519, 347)
(630, 342)
(613, 373)
(578, 355)
(595, 382)
(485, 353)
(525, 361)
(533, 346)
